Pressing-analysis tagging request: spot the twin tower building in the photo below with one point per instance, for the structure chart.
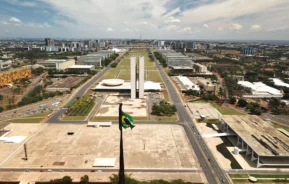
(137, 77)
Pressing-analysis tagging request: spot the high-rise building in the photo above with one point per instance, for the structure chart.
(248, 51)
(137, 70)
(133, 77)
(141, 77)
(49, 42)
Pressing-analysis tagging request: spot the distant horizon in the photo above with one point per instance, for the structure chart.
(214, 40)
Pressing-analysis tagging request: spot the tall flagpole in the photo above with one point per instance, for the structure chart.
(121, 159)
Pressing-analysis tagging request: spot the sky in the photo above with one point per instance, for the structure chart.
(148, 19)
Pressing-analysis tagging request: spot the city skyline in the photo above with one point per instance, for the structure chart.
(160, 19)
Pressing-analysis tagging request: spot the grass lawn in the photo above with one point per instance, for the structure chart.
(4, 102)
(198, 101)
(115, 118)
(281, 126)
(270, 175)
(238, 175)
(36, 118)
(225, 110)
(155, 76)
(124, 74)
(110, 74)
(213, 121)
(166, 118)
(81, 106)
(166, 96)
(73, 118)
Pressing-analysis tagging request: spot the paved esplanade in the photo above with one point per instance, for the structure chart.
(212, 170)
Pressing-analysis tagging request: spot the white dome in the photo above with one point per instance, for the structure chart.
(112, 82)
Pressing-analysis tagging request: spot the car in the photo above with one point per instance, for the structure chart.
(61, 170)
(27, 170)
(223, 180)
(49, 170)
(209, 159)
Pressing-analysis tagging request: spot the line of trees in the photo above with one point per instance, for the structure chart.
(160, 59)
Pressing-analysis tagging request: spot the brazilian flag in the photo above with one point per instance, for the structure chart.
(127, 121)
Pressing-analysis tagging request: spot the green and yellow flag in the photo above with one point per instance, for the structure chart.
(127, 121)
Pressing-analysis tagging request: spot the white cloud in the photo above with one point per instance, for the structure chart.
(154, 19)
(5, 23)
(37, 25)
(186, 30)
(21, 3)
(236, 27)
(172, 20)
(220, 29)
(109, 29)
(205, 25)
(255, 27)
(14, 19)
(275, 29)
(171, 28)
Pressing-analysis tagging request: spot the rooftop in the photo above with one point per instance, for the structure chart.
(81, 66)
(182, 67)
(148, 85)
(261, 136)
(259, 88)
(55, 61)
(187, 83)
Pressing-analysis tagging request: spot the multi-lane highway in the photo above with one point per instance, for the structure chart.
(212, 170)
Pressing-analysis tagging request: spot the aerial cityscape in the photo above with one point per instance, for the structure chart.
(144, 91)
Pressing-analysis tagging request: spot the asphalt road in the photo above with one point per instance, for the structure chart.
(212, 170)
(40, 169)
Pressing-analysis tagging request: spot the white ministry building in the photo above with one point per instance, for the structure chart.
(137, 86)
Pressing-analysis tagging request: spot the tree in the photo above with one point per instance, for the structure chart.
(1, 97)
(1, 109)
(84, 179)
(242, 102)
(64, 180)
(274, 103)
(233, 100)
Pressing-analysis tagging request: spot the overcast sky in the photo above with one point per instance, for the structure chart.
(153, 19)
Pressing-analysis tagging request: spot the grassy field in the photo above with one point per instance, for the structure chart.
(213, 121)
(281, 126)
(238, 175)
(225, 110)
(198, 101)
(111, 74)
(155, 76)
(4, 102)
(81, 106)
(73, 118)
(36, 118)
(167, 118)
(166, 95)
(124, 74)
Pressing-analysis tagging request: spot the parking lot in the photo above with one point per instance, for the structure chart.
(32, 109)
